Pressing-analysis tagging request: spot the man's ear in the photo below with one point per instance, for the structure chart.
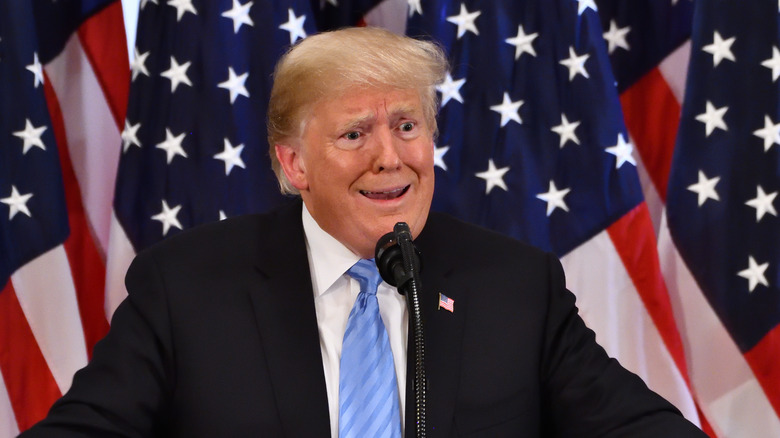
(292, 163)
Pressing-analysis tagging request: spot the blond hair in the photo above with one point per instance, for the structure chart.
(328, 64)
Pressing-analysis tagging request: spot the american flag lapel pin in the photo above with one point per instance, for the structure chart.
(446, 303)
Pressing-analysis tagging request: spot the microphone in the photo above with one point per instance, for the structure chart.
(398, 262)
(393, 251)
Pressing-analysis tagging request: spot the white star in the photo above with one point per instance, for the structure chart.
(585, 4)
(554, 198)
(523, 43)
(465, 21)
(705, 188)
(566, 130)
(438, 156)
(235, 84)
(493, 177)
(144, 2)
(172, 145)
(31, 136)
(713, 118)
(239, 14)
(330, 2)
(773, 63)
(17, 203)
(720, 49)
(770, 133)
(294, 25)
(576, 64)
(616, 37)
(450, 89)
(182, 6)
(231, 156)
(168, 217)
(509, 110)
(222, 215)
(129, 135)
(139, 64)
(177, 74)
(414, 6)
(763, 203)
(754, 273)
(37, 69)
(622, 152)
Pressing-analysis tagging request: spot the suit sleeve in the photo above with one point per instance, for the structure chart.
(588, 394)
(122, 392)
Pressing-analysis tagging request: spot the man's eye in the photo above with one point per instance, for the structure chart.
(354, 135)
(406, 127)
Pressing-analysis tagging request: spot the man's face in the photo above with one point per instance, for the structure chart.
(364, 162)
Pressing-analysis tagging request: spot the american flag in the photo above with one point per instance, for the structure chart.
(726, 307)
(533, 144)
(63, 93)
(446, 303)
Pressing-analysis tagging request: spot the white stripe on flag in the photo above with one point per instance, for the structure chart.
(722, 379)
(610, 305)
(94, 140)
(740, 414)
(655, 205)
(8, 427)
(48, 299)
(674, 69)
(120, 255)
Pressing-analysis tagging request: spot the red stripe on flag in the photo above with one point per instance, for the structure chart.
(86, 265)
(705, 425)
(652, 116)
(31, 386)
(103, 38)
(763, 359)
(635, 242)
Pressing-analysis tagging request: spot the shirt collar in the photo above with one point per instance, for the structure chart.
(329, 259)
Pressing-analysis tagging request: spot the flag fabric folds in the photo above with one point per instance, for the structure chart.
(710, 188)
(532, 143)
(63, 87)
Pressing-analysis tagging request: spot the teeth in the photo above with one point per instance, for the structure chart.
(365, 192)
(390, 194)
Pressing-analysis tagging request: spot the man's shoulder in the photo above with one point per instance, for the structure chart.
(443, 231)
(235, 235)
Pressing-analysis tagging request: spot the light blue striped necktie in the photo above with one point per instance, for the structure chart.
(368, 393)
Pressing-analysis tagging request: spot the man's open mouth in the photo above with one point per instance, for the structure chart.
(391, 194)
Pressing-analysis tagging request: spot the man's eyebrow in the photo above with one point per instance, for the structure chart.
(357, 121)
(403, 110)
(399, 111)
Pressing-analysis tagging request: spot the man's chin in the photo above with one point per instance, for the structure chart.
(415, 222)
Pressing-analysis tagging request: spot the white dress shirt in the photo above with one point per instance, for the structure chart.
(335, 293)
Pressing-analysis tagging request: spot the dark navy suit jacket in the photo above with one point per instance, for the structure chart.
(218, 338)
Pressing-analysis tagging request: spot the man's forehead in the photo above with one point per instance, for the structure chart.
(391, 105)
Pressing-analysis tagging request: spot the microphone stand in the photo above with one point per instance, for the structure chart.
(398, 262)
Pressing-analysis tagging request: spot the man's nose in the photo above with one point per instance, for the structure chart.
(386, 151)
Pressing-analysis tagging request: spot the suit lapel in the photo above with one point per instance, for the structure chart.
(443, 334)
(284, 306)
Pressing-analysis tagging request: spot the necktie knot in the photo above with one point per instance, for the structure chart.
(365, 272)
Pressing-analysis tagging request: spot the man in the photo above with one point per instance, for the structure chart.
(236, 328)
